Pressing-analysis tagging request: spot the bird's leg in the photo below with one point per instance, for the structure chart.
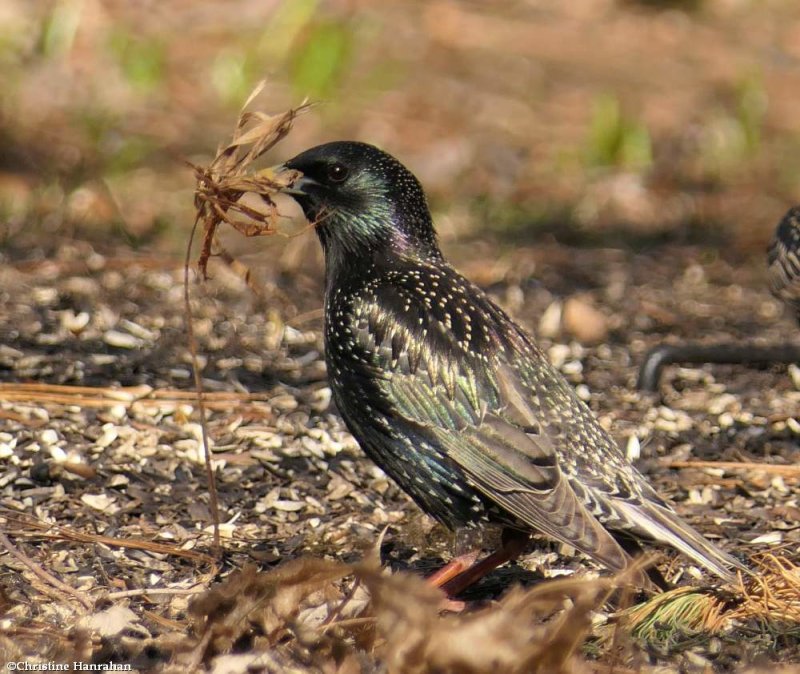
(514, 543)
(453, 569)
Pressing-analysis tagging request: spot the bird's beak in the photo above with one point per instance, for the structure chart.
(289, 181)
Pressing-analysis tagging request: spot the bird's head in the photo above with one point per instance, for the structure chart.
(362, 200)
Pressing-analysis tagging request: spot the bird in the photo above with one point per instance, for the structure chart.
(448, 395)
(783, 259)
(783, 273)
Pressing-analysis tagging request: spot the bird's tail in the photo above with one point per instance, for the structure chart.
(666, 527)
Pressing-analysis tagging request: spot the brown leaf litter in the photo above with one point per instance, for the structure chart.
(304, 459)
(301, 612)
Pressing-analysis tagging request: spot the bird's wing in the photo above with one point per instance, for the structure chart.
(462, 374)
(612, 492)
(437, 381)
(520, 472)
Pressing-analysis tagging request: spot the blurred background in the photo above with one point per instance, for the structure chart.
(589, 122)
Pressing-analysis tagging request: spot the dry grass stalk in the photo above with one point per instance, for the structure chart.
(31, 527)
(221, 184)
(785, 471)
(128, 396)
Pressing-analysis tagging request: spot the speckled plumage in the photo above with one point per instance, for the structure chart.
(446, 393)
(783, 257)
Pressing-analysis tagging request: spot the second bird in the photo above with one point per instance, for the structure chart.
(448, 395)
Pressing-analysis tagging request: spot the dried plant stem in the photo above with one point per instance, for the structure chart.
(213, 498)
(62, 533)
(48, 578)
(144, 592)
(777, 469)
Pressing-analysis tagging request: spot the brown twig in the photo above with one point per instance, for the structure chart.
(37, 570)
(164, 622)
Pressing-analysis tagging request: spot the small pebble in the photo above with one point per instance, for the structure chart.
(48, 437)
(586, 323)
(633, 448)
(122, 340)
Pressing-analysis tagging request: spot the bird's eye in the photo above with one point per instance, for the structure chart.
(337, 173)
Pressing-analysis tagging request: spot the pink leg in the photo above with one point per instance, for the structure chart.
(465, 570)
(511, 549)
(453, 569)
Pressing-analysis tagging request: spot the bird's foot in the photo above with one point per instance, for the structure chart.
(452, 605)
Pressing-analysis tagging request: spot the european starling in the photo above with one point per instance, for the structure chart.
(448, 395)
(783, 259)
